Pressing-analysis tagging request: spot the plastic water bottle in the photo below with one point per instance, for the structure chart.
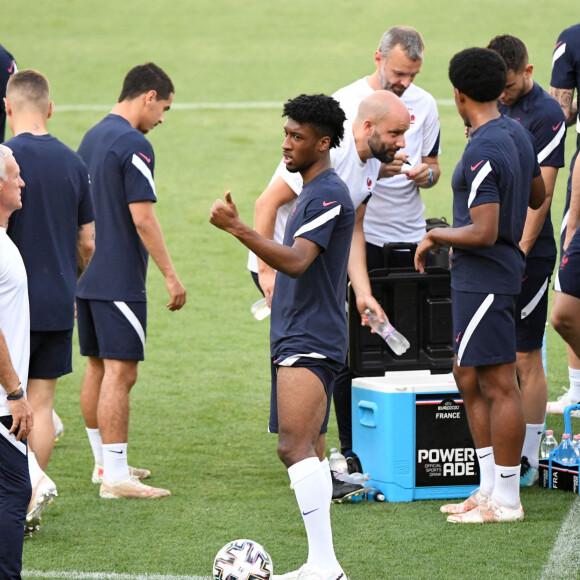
(355, 478)
(548, 444)
(566, 453)
(260, 309)
(374, 494)
(398, 343)
(576, 444)
(337, 462)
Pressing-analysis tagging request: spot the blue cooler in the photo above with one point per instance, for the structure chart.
(410, 431)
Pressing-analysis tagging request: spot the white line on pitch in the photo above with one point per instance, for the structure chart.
(563, 562)
(200, 106)
(105, 576)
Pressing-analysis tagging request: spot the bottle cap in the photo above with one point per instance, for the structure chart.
(549, 432)
(566, 436)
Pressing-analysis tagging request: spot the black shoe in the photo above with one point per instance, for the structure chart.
(354, 464)
(343, 491)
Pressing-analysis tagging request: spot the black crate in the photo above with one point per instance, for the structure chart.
(563, 477)
(418, 306)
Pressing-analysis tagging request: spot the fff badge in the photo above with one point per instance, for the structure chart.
(445, 454)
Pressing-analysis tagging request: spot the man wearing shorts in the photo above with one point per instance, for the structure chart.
(565, 88)
(524, 100)
(54, 232)
(111, 300)
(496, 179)
(308, 334)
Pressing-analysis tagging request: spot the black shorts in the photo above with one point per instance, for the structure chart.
(484, 330)
(50, 354)
(325, 369)
(532, 305)
(112, 330)
(568, 273)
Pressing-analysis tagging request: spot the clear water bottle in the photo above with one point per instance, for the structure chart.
(566, 453)
(576, 444)
(548, 444)
(337, 462)
(355, 478)
(374, 494)
(398, 343)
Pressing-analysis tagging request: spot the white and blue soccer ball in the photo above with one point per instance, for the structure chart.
(242, 560)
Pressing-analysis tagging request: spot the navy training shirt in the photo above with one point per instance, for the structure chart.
(7, 69)
(56, 200)
(566, 62)
(542, 116)
(497, 166)
(308, 312)
(121, 163)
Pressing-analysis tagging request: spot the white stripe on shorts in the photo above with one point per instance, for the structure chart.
(557, 286)
(288, 362)
(475, 320)
(12, 439)
(529, 307)
(132, 319)
(564, 222)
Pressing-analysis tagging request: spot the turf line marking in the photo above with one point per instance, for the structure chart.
(201, 106)
(105, 576)
(563, 562)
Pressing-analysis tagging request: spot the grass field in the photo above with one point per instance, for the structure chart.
(199, 410)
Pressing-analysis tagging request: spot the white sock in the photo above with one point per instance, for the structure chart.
(325, 464)
(33, 468)
(574, 376)
(311, 488)
(96, 444)
(115, 462)
(507, 485)
(532, 441)
(486, 469)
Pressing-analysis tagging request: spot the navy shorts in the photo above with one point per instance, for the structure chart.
(484, 329)
(568, 273)
(325, 369)
(50, 354)
(532, 305)
(112, 330)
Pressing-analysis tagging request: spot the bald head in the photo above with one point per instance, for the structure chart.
(379, 105)
(380, 126)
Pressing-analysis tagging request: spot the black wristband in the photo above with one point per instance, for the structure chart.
(16, 396)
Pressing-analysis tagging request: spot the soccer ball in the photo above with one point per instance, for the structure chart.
(242, 560)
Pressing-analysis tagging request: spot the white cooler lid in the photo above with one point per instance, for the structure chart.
(408, 382)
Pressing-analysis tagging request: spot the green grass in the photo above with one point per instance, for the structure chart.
(199, 409)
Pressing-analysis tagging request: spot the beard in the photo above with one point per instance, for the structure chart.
(379, 150)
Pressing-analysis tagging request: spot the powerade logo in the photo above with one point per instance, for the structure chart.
(455, 462)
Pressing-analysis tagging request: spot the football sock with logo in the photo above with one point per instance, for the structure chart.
(310, 484)
(531, 448)
(486, 469)
(507, 485)
(96, 444)
(574, 376)
(115, 462)
(33, 468)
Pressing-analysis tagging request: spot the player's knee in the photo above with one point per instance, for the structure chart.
(561, 321)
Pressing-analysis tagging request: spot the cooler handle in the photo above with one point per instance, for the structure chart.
(366, 413)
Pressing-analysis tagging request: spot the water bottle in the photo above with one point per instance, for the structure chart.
(576, 444)
(337, 462)
(566, 453)
(355, 478)
(548, 444)
(260, 309)
(398, 343)
(374, 494)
